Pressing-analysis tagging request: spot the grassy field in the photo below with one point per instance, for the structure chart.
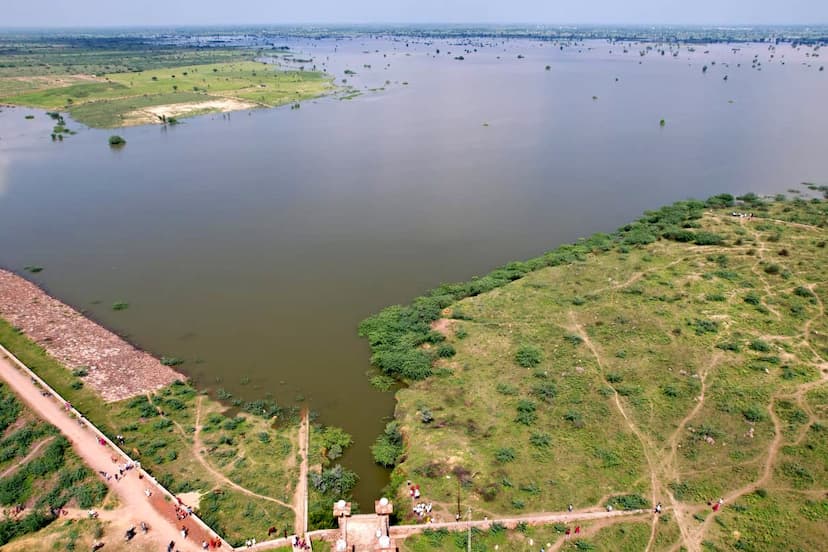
(121, 99)
(192, 443)
(54, 54)
(112, 81)
(591, 536)
(680, 360)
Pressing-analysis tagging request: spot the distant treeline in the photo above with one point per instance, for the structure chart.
(270, 36)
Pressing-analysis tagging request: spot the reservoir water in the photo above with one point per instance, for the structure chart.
(252, 245)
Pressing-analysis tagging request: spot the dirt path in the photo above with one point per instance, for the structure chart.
(591, 530)
(28, 457)
(300, 497)
(646, 446)
(130, 489)
(198, 446)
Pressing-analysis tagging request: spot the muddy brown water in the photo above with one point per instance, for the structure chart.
(252, 245)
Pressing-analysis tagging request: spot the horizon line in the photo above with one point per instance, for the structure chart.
(412, 24)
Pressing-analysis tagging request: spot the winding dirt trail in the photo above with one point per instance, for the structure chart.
(28, 457)
(198, 446)
(646, 446)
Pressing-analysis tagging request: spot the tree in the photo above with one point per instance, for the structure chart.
(116, 141)
(388, 447)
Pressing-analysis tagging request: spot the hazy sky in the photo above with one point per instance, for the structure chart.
(212, 12)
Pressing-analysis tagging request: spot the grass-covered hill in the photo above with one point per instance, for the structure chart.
(681, 360)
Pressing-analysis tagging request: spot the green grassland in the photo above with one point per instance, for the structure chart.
(626, 535)
(39, 472)
(679, 360)
(116, 99)
(254, 446)
(29, 55)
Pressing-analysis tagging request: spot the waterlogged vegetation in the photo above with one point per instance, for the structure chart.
(40, 472)
(678, 360)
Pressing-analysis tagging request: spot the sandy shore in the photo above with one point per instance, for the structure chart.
(117, 370)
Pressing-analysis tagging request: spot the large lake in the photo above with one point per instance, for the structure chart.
(253, 245)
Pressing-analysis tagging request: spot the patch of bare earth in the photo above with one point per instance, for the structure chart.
(117, 370)
(43, 82)
(444, 326)
(153, 114)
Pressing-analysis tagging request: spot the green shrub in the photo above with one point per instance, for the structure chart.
(505, 455)
(759, 345)
(540, 440)
(801, 475)
(671, 391)
(335, 482)
(382, 382)
(628, 502)
(90, 494)
(753, 414)
(116, 140)
(753, 298)
(446, 351)
(702, 327)
(575, 417)
(526, 414)
(708, 238)
(804, 292)
(733, 346)
(545, 391)
(388, 447)
(528, 356)
(575, 339)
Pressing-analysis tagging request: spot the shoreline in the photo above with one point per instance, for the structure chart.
(117, 369)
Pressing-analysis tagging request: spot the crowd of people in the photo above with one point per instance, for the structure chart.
(423, 510)
(182, 511)
(299, 543)
(122, 469)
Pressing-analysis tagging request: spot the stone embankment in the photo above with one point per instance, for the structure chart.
(117, 370)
